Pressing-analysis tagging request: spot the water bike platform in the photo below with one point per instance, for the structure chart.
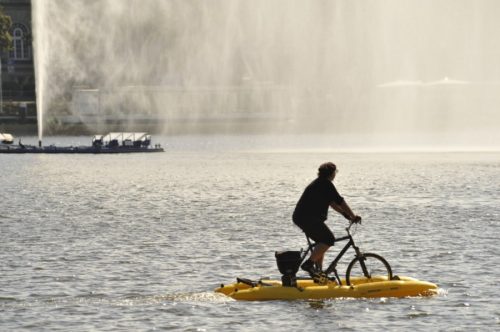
(360, 287)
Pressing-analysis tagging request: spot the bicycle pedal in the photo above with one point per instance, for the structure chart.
(320, 278)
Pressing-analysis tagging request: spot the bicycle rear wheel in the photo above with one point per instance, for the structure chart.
(368, 265)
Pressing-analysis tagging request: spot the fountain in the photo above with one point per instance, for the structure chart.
(40, 40)
(338, 67)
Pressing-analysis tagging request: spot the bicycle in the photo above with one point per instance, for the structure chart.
(363, 265)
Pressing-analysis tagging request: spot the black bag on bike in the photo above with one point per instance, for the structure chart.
(288, 264)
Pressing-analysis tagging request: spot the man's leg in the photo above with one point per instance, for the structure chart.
(318, 254)
(324, 239)
(316, 259)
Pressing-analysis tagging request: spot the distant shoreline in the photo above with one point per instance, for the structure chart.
(172, 128)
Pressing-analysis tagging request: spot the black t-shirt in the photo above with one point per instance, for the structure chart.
(312, 206)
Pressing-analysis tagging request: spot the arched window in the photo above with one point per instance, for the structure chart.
(21, 48)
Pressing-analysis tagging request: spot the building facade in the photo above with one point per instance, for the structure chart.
(17, 74)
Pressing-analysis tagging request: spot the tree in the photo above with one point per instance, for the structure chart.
(5, 36)
(5, 45)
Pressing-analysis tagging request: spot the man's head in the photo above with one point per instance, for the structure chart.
(327, 170)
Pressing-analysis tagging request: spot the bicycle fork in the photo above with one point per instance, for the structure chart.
(362, 259)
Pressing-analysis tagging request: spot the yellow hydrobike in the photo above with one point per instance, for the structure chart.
(367, 275)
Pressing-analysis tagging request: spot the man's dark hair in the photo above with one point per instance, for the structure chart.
(326, 170)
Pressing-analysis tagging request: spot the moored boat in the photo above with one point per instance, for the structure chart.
(115, 142)
(6, 138)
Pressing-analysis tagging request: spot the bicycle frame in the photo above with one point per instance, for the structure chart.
(333, 265)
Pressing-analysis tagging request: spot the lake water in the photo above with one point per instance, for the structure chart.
(139, 242)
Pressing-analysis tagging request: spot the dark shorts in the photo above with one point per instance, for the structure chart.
(319, 233)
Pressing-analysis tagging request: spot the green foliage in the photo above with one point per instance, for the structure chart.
(5, 36)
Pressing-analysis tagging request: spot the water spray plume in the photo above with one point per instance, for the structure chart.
(40, 61)
(338, 67)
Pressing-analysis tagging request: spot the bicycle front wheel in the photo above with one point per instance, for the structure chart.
(368, 266)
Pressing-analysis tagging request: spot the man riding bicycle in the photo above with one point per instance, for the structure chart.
(311, 213)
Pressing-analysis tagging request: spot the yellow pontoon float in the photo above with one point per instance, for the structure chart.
(361, 287)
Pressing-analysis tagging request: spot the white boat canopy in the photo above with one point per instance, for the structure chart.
(125, 136)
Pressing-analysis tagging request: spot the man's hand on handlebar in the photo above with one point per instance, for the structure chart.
(356, 220)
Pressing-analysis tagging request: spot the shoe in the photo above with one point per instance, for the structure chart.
(309, 267)
(317, 276)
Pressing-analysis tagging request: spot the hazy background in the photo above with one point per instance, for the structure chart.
(413, 72)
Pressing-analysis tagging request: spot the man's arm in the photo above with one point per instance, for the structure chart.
(344, 210)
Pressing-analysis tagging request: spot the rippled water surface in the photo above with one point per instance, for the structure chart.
(139, 242)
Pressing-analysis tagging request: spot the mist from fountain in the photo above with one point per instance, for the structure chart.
(377, 70)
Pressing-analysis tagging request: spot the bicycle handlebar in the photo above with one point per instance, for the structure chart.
(356, 218)
(352, 222)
